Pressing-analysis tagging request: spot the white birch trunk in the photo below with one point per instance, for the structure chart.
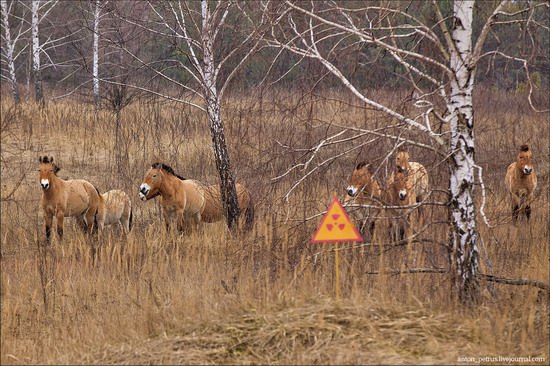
(464, 255)
(10, 46)
(212, 100)
(36, 71)
(95, 66)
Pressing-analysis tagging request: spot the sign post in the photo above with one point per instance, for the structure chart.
(336, 227)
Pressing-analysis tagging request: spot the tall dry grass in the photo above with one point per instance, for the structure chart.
(266, 296)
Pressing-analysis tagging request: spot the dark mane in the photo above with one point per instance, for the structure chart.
(361, 165)
(402, 149)
(167, 169)
(46, 160)
(524, 147)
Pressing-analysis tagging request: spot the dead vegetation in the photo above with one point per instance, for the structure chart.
(266, 297)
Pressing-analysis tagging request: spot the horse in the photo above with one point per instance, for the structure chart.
(521, 181)
(190, 202)
(115, 207)
(66, 198)
(400, 192)
(364, 190)
(415, 173)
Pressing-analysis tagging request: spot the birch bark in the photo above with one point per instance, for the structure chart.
(10, 47)
(36, 69)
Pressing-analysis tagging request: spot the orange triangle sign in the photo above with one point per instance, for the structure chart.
(336, 226)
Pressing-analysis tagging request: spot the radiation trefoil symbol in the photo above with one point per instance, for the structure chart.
(336, 226)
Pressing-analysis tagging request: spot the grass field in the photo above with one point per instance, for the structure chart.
(267, 296)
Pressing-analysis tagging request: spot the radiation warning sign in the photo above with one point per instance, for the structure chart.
(336, 226)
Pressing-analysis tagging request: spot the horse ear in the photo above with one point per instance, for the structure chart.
(402, 148)
(361, 165)
(40, 159)
(51, 159)
(524, 147)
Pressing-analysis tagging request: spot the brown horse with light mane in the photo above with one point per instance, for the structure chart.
(521, 181)
(364, 190)
(187, 201)
(66, 198)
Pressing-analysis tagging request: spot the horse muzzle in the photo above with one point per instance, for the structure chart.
(144, 191)
(527, 170)
(352, 191)
(45, 184)
(402, 195)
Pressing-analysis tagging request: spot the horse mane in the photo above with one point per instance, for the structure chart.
(45, 160)
(364, 164)
(167, 169)
(402, 149)
(524, 147)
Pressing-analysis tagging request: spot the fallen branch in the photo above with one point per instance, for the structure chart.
(412, 270)
(516, 281)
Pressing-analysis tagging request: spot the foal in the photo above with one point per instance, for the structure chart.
(66, 198)
(115, 207)
(521, 181)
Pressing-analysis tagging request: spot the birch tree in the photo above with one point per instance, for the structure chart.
(97, 16)
(39, 11)
(207, 53)
(324, 31)
(9, 52)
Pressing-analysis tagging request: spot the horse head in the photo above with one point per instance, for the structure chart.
(361, 180)
(46, 170)
(152, 182)
(402, 160)
(400, 188)
(525, 160)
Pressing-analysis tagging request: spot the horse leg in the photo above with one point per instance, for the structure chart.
(91, 220)
(48, 220)
(82, 223)
(528, 212)
(60, 217)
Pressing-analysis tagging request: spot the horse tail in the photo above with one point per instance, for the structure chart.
(96, 225)
(130, 219)
(249, 214)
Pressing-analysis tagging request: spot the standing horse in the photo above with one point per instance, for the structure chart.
(66, 198)
(115, 207)
(415, 173)
(521, 181)
(400, 193)
(187, 200)
(365, 191)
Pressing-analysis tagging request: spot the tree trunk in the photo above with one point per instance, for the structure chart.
(96, 55)
(10, 53)
(213, 106)
(36, 71)
(463, 236)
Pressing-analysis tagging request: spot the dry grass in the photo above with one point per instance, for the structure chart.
(266, 297)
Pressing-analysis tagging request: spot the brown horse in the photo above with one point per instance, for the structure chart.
(415, 173)
(521, 181)
(66, 198)
(188, 200)
(115, 207)
(400, 193)
(364, 190)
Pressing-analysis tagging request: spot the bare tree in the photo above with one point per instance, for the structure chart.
(40, 11)
(438, 60)
(97, 16)
(205, 49)
(9, 54)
